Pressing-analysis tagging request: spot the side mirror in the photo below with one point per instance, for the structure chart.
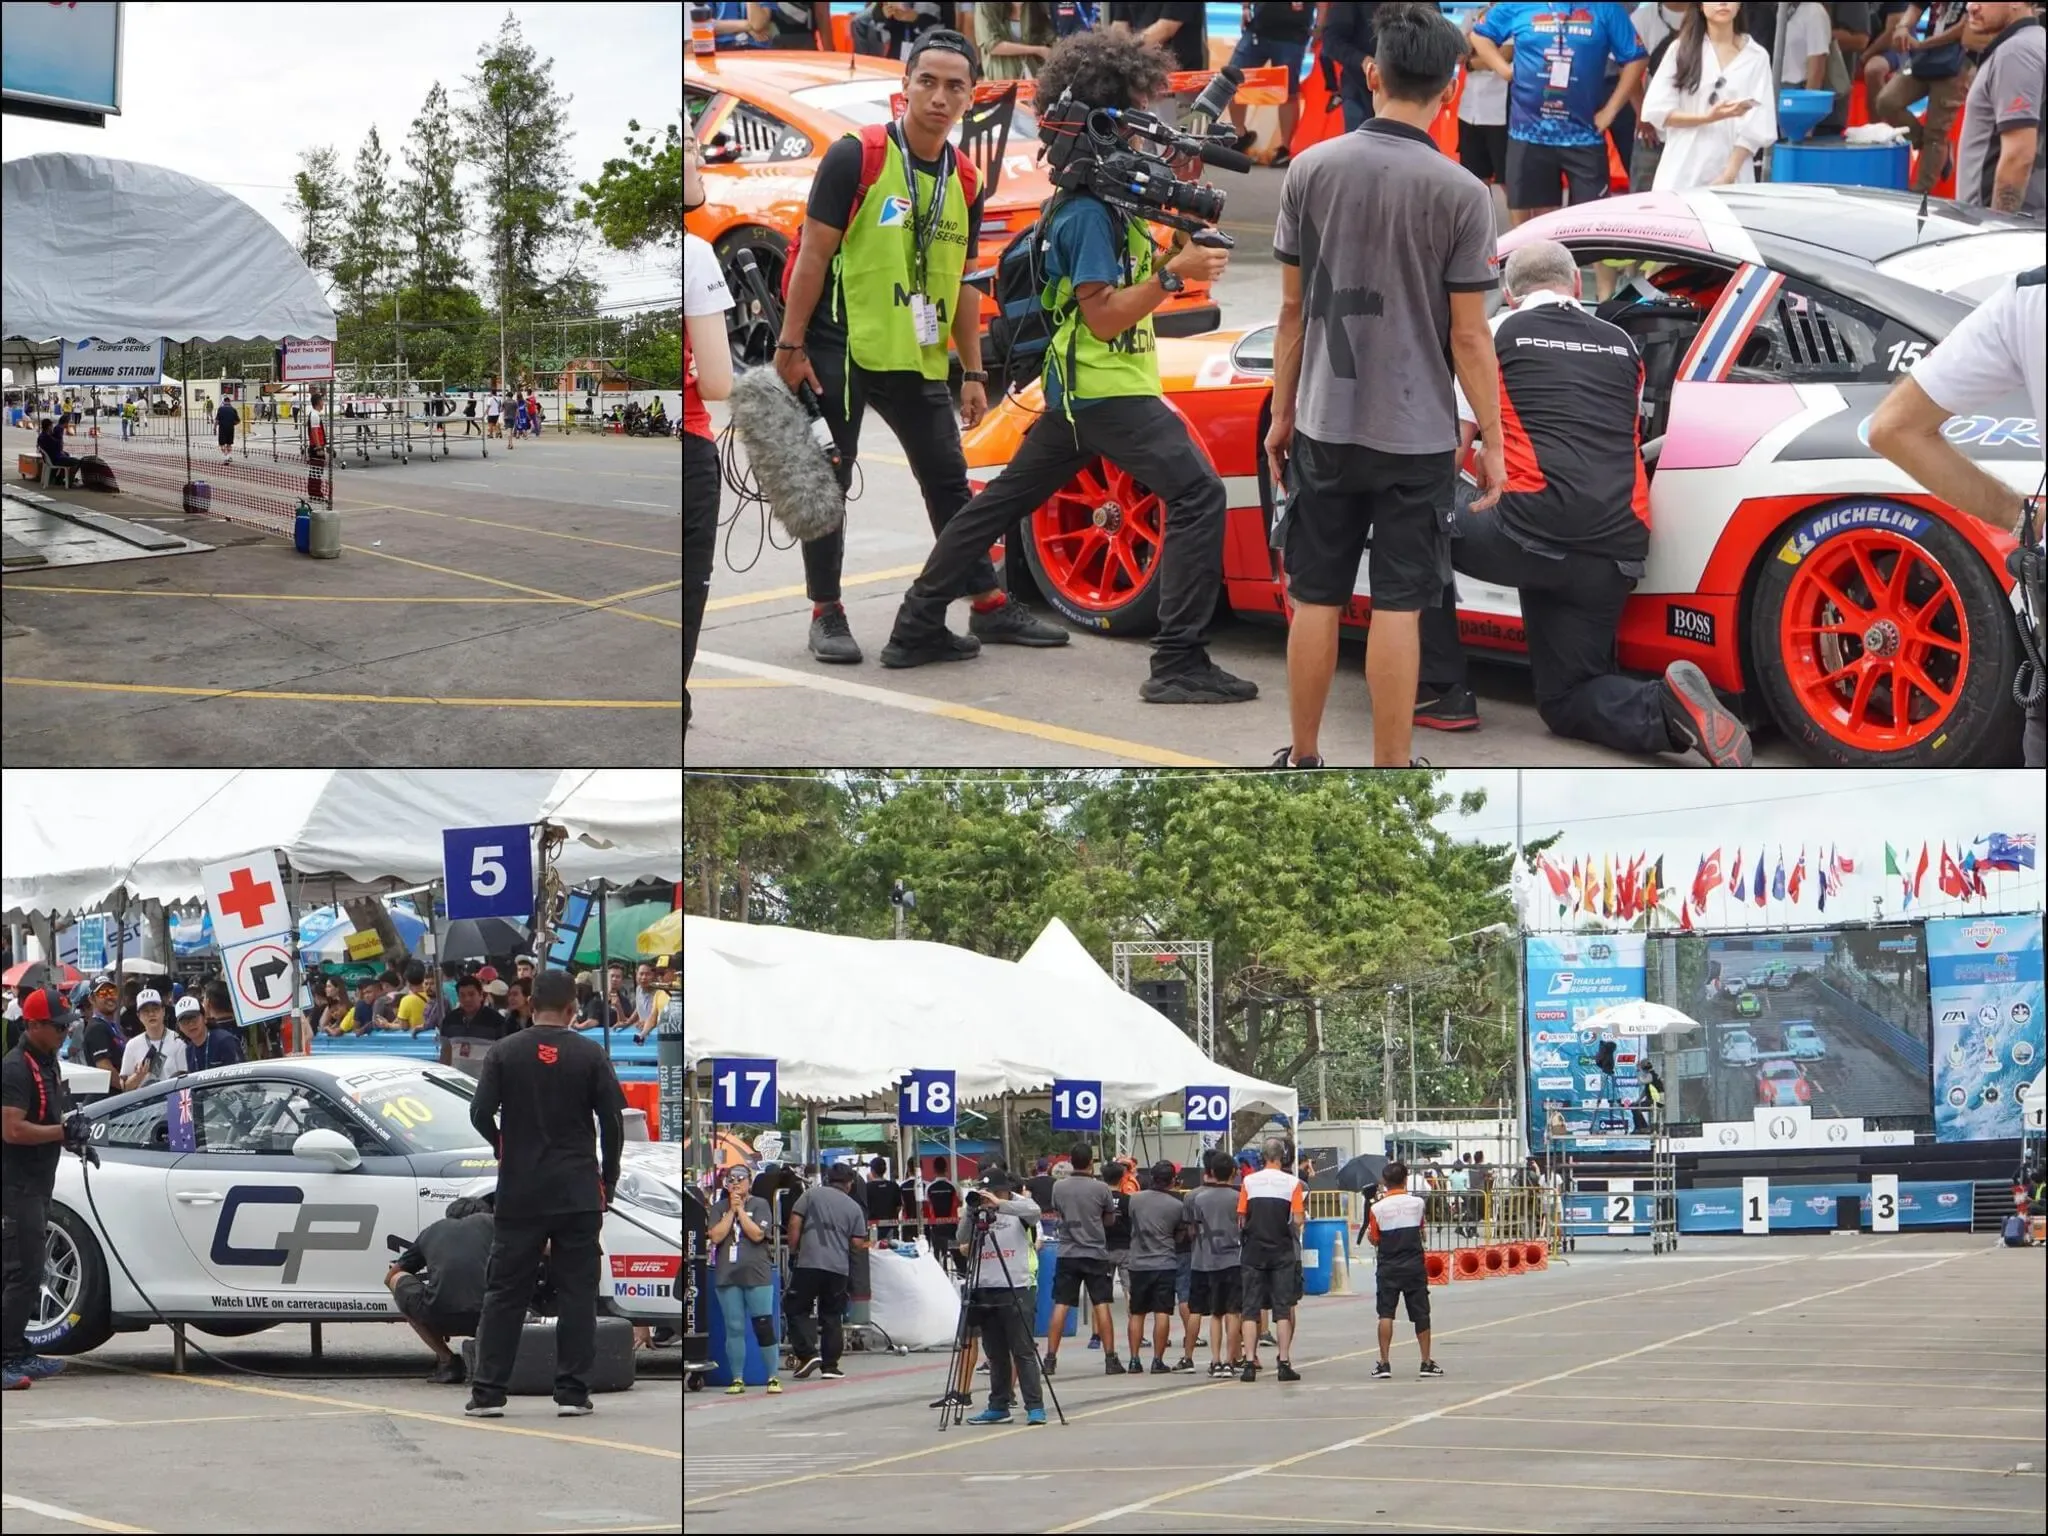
(331, 1149)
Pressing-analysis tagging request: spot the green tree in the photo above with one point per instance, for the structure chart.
(637, 201)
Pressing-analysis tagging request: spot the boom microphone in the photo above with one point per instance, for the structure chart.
(1224, 158)
(1215, 98)
(794, 474)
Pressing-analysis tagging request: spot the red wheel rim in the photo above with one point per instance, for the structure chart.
(1099, 537)
(1874, 640)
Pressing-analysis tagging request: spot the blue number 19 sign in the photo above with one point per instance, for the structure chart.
(1077, 1104)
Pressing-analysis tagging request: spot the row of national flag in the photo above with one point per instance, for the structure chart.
(1623, 888)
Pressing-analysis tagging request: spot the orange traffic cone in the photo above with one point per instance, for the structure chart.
(1437, 1267)
(1495, 1259)
(1516, 1262)
(1467, 1265)
(1536, 1255)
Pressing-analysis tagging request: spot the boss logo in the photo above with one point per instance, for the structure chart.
(1691, 624)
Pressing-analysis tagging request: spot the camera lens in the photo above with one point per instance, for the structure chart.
(1196, 198)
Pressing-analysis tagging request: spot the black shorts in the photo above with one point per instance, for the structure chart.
(1346, 498)
(1483, 150)
(1271, 1288)
(1151, 1291)
(410, 1292)
(1538, 174)
(1070, 1274)
(1214, 1292)
(1414, 1285)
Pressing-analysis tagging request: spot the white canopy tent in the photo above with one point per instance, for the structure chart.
(621, 808)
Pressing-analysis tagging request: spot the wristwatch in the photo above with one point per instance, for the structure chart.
(1172, 282)
(973, 376)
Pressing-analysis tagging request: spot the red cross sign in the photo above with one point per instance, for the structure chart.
(247, 900)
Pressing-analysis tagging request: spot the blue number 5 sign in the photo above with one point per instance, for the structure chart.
(489, 871)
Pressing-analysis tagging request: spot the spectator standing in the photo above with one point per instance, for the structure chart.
(2003, 149)
(884, 1197)
(1270, 1219)
(438, 1283)
(1181, 27)
(473, 1018)
(1344, 31)
(1071, 16)
(1394, 1226)
(492, 403)
(1215, 1253)
(1387, 255)
(104, 1039)
(412, 1007)
(1934, 69)
(1881, 57)
(1483, 122)
(1273, 33)
(1561, 100)
(1712, 100)
(131, 1021)
(516, 995)
(825, 1226)
(942, 1206)
(624, 1015)
(792, 25)
(226, 419)
(205, 1044)
(648, 1001)
(1805, 37)
(543, 1100)
(742, 1268)
(730, 26)
(1084, 1205)
(1013, 38)
(1657, 28)
(524, 967)
(154, 1054)
(589, 1005)
(1156, 1213)
(1039, 1185)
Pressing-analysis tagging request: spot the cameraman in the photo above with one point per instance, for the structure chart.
(997, 1246)
(1102, 399)
(1387, 253)
(1999, 350)
(874, 290)
(37, 1123)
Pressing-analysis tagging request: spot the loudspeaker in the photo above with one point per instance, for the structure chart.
(1169, 997)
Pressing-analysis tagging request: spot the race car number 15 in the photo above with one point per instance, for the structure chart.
(1900, 356)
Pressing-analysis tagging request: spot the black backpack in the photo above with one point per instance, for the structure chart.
(1022, 328)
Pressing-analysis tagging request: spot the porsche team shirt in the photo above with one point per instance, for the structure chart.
(1395, 1223)
(1269, 1203)
(34, 1084)
(542, 1099)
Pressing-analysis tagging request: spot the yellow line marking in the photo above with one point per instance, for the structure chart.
(1674, 1493)
(68, 1516)
(545, 533)
(342, 698)
(737, 682)
(598, 605)
(777, 594)
(293, 597)
(1666, 1455)
(647, 591)
(918, 704)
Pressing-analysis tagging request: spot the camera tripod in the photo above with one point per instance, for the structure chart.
(952, 1403)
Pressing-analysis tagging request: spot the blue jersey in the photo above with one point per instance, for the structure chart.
(1561, 55)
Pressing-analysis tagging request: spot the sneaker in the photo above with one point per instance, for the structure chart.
(943, 646)
(1184, 1364)
(832, 1373)
(477, 1410)
(1280, 158)
(1285, 758)
(1205, 684)
(1250, 1371)
(1288, 1372)
(1430, 1368)
(12, 1380)
(1448, 709)
(1247, 139)
(953, 1400)
(1267, 1341)
(1048, 1365)
(1699, 722)
(774, 1385)
(808, 1368)
(831, 637)
(993, 1416)
(37, 1367)
(1382, 1371)
(1034, 1415)
(452, 1375)
(1094, 1341)
(1220, 1368)
(1161, 1368)
(572, 1410)
(1111, 1366)
(1011, 623)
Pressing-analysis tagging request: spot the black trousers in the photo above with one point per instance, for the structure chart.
(1139, 433)
(1006, 1342)
(574, 1256)
(1571, 608)
(825, 1291)
(24, 1240)
(920, 412)
(700, 543)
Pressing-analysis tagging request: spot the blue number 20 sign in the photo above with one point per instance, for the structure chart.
(1076, 1105)
(488, 871)
(1208, 1109)
(743, 1090)
(926, 1098)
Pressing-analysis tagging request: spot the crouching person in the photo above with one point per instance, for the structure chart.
(995, 1239)
(438, 1283)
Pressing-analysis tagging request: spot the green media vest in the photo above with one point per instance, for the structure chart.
(1126, 364)
(874, 271)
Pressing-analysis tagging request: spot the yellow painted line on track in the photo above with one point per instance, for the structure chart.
(341, 698)
(545, 533)
(1467, 1481)
(777, 594)
(737, 682)
(1660, 1453)
(646, 591)
(67, 1516)
(601, 605)
(918, 704)
(298, 597)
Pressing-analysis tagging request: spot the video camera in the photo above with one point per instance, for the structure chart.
(1086, 150)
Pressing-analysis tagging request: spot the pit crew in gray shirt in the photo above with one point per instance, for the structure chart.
(1156, 1218)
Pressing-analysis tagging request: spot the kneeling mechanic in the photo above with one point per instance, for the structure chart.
(1102, 399)
(1570, 532)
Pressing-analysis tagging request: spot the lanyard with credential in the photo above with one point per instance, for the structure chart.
(921, 230)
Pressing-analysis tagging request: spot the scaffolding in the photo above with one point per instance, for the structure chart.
(378, 410)
(1620, 1180)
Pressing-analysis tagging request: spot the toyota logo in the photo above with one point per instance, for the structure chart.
(1838, 1132)
(1784, 1128)
(1730, 1135)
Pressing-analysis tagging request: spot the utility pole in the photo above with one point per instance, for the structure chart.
(1387, 1058)
(1521, 1006)
(1322, 1064)
(1414, 1096)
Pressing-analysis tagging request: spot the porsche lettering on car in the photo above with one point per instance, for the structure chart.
(249, 1195)
(1808, 577)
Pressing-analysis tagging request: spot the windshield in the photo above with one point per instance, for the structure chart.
(1970, 269)
(425, 1107)
(862, 102)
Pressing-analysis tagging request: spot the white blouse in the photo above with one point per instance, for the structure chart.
(1693, 157)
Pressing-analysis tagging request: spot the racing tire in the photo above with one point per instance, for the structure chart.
(751, 327)
(1093, 550)
(75, 1263)
(1924, 610)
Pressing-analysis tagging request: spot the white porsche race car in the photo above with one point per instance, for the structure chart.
(250, 1195)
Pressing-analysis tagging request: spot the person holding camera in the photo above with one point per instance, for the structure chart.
(37, 1125)
(1102, 397)
(1387, 255)
(874, 289)
(996, 1246)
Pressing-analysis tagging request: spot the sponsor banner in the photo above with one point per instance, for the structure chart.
(1571, 978)
(646, 1266)
(1811, 1207)
(1984, 983)
(643, 1290)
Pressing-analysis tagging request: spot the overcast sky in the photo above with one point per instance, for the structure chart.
(1684, 815)
(231, 94)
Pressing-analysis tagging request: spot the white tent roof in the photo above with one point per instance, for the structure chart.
(112, 248)
(67, 842)
(621, 808)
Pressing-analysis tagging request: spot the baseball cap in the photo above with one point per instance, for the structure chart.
(999, 1178)
(188, 1006)
(46, 1005)
(497, 988)
(149, 997)
(487, 973)
(105, 980)
(516, 959)
(585, 979)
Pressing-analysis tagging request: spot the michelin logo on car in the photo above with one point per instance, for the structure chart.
(1870, 514)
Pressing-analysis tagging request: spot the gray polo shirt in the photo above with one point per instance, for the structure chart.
(1082, 1200)
(832, 1219)
(2006, 94)
(1384, 227)
(1154, 1215)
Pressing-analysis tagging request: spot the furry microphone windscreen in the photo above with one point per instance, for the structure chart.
(796, 480)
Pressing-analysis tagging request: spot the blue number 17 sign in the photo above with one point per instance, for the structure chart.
(743, 1090)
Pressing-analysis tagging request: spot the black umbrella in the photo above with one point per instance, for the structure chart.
(1362, 1172)
(481, 938)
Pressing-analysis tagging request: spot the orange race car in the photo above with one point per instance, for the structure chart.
(765, 120)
